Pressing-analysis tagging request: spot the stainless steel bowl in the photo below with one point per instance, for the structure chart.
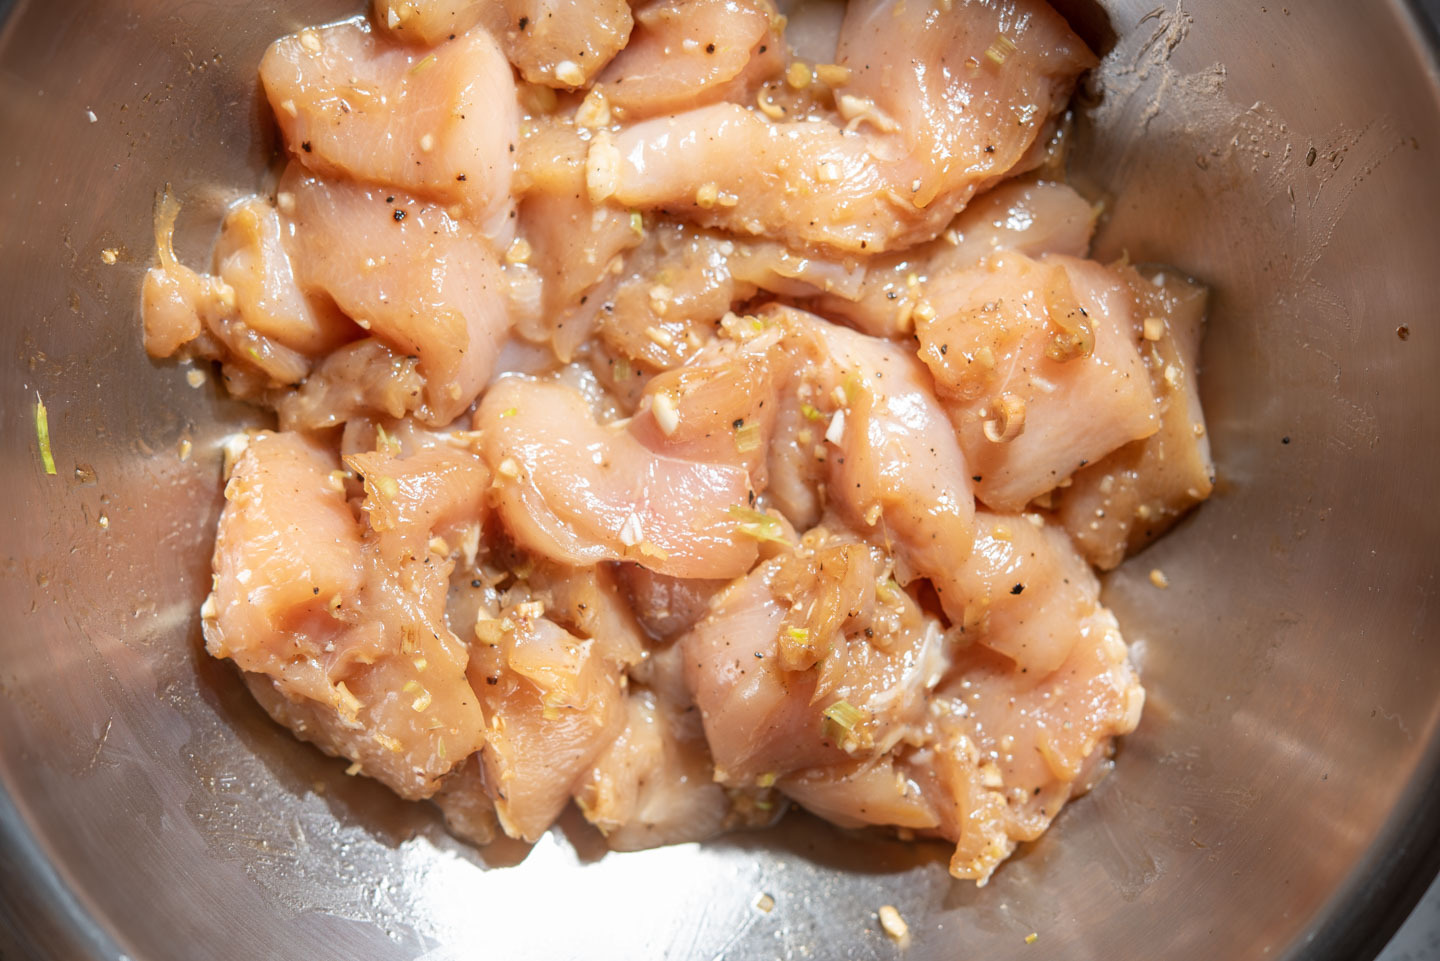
(1279, 799)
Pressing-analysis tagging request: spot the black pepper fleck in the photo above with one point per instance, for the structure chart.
(1017, 588)
(399, 215)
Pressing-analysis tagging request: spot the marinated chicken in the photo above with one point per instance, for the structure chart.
(688, 408)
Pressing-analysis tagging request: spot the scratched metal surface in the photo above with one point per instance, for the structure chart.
(1272, 803)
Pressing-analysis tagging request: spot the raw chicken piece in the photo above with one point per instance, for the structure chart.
(428, 22)
(970, 87)
(1033, 218)
(589, 603)
(574, 245)
(180, 307)
(672, 289)
(794, 669)
(894, 466)
(441, 125)
(860, 793)
(1012, 747)
(340, 628)
(468, 809)
(1037, 363)
(684, 53)
(681, 280)
(419, 280)
(920, 141)
(553, 705)
(718, 408)
(250, 256)
(363, 377)
(579, 492)
(653, 784)
(1118, 505)
(288, 543)
(174, 298)
(559, 43)
(1024, 588)
(726, 166)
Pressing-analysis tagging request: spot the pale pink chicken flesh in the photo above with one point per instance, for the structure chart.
(686, 409)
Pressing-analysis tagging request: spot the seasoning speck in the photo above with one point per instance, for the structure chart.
(1031, 938)
(764, 903)
(1402, 332)
(109, 255)
(104, 522)
(894, 925)
(195, 377)
(1158, 578)
(399, 215)
(90, 116)
(1017, 589)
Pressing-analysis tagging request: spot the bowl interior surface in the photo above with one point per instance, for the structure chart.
(1272, 803)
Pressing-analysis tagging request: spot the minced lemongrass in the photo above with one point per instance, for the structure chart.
(841, 719)
(758, 524)
(42, 435)
(1000, 50)
(747, 438)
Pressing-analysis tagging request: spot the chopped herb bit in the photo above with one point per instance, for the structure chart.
(384, 442)
(42, 434)
(1000, 50)
(747, 437)
(759, 525)
(841, 719)
(811, 412)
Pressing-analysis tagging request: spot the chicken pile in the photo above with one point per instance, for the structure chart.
(686, 408)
